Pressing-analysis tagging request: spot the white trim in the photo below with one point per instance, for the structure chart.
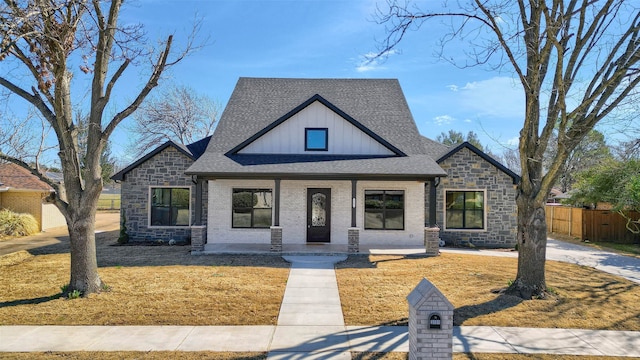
(149, 207)
(444, 210)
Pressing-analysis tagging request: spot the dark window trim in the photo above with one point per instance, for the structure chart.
(151, 189)
(464, 209)
(326, 139)
(384, 210)
(253, 191)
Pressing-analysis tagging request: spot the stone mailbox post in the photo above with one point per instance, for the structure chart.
(430, 323)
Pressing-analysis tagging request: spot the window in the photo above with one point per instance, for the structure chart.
(384, 209)
(464, 209)
(316, 139)
(251, 208)
(170, 206)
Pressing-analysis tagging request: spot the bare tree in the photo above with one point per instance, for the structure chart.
(179, 113)
(41, 40)
(576, 61)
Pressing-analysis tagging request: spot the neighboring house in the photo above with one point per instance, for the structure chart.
(23, 192)
(318, 161)
(157, 198)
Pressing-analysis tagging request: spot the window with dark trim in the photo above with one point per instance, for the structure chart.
(251, 208)
(464, 210)
(384, 209)
(170, 206)
(316, 139)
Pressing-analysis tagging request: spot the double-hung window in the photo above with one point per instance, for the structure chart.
(170, 206)
(465, 209)
(251, 208)
(384, 209)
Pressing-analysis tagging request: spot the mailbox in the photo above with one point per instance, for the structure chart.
(435, 322)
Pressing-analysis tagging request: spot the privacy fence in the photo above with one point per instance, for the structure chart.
(592, 225)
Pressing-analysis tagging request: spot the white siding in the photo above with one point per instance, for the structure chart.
(344, 138)
(52, 217)
(293, 212)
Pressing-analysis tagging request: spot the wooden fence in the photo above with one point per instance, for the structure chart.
(593, 225)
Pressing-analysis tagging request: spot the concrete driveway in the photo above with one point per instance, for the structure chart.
(612, 263)
(105, 221)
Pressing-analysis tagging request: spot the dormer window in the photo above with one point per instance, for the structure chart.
(316, 139)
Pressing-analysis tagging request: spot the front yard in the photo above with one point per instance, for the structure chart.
(165, 285)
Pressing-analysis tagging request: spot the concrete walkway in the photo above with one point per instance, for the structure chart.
(311, 326)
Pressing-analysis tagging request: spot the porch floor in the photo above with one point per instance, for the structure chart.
(308, 249)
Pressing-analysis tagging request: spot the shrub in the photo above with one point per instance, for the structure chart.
(13, 224)
(123, 238)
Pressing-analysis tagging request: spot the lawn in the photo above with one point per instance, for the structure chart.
(373, 291)
(149, 285)
(109, 202)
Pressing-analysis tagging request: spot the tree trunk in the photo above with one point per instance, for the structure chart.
(532, 247)
(84, 265)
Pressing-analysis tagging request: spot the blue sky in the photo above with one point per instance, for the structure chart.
(328, 39)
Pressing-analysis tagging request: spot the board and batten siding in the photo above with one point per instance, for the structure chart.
(343, 137)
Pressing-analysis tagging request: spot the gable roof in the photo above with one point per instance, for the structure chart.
(377, 106)
(193, 151)
(15, 177)
(304, 105)
(515, 177)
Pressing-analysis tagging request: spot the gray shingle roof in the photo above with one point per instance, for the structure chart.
(377, 104)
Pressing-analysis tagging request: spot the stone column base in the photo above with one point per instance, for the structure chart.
(276, 239)
(354, 240)
(198, 238)
(432, 241)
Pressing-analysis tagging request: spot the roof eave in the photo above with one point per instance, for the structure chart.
(323, 176)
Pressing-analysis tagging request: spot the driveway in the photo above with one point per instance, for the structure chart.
(612, 263)
(105, 221)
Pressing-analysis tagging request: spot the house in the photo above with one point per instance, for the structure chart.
(337, 162)
(23, 192)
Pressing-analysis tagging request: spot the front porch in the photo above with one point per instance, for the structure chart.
(311, 249)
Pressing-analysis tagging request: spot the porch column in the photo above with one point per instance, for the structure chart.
(353, 233)
(276, 203)
(432, 203)
(198, 212)
(353, 202)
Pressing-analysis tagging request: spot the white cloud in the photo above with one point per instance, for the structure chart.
(468, 121)
(498, 97)
(513, 141)
(443, 120)
(372, 61)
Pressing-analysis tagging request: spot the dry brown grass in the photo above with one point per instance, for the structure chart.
(150, 285)
(373, 291)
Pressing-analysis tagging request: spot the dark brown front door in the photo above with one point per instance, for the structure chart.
(319, 215)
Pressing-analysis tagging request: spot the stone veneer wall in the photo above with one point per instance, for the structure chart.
(468, 171)
(164, 169)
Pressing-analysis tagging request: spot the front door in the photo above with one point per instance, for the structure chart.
(319, 215)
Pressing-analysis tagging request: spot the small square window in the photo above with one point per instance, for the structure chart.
(316, 139)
